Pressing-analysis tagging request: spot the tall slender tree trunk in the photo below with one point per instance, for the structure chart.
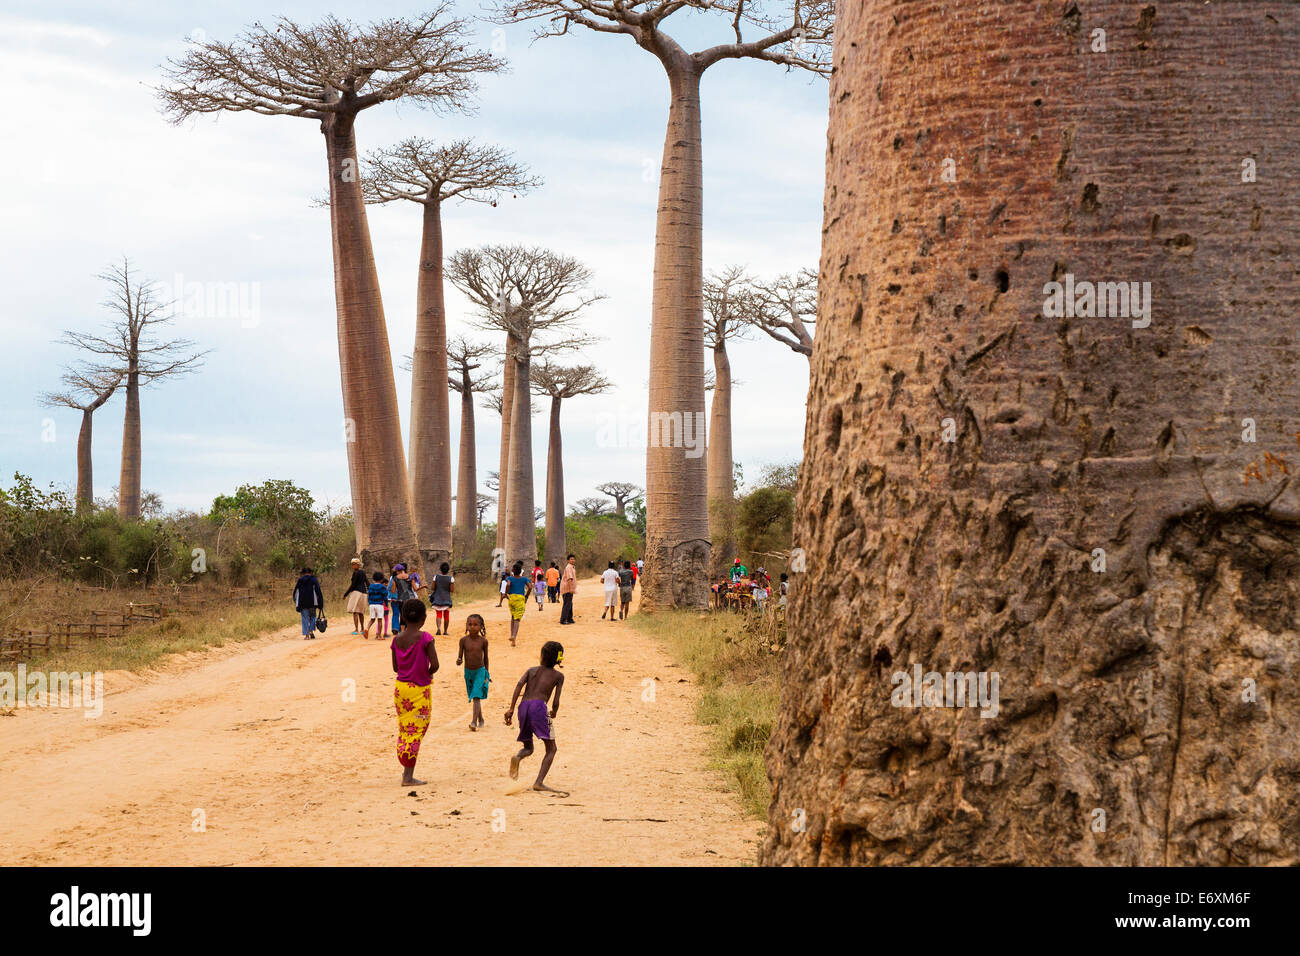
(430, 411)
(556, 543)
(381, 497)
(85, 464)
(1064, 502)
(521, 523)
(503, 468)
(722, 474)
(466, 470)
(128, 483)
(677, 515)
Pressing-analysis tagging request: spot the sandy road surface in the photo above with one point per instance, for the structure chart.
(259, 737)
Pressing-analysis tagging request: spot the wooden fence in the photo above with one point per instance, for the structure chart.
(86, 627)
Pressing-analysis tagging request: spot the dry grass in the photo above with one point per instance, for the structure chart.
(221, 621)
(741, 689)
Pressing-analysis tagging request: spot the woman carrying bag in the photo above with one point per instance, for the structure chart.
(309, 601)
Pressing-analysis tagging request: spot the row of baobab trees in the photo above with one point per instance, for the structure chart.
(333, 71)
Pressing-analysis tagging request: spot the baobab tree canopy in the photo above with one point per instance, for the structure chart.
(790, 32)
(327, 69)
(1066, 506)
(421, 171)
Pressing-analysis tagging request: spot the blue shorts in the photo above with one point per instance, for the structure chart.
(476, 683)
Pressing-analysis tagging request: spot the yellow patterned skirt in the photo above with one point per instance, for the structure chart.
(414, 705)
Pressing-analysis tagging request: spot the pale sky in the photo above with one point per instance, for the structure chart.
(93, 173)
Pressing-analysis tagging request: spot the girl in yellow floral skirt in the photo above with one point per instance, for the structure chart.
(415, 661)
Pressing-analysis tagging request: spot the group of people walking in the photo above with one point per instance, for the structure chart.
(377, 601)
(553, 583)
(393, 604)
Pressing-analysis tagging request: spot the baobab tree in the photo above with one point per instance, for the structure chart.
(559, 383)
(330, 72)
(465, 357)
(1050, 498)
(622, 492)
(787, 306)
(791, 33)
(86, 392)
(590, 507)
(527, 293)
(484, 502)
(132, 353)
(420, 171)
(729, 306)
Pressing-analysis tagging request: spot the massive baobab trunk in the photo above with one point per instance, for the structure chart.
(1097, 533)
(430, 409)
(521, 522)
(722, 472)
(503, 467)
(128, 482)
(677, 515)
(381, 500)
(467, 469)
(556, 543)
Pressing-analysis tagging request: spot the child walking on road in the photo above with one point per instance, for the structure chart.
(415, 661)
(537, 685)
(377, 595)
(474, 652)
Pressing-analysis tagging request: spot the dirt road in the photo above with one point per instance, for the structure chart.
(258, 744)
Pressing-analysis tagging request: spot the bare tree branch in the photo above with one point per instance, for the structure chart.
(421, 171)
(130, 347)
(729, 306)
(525, 291)
(566, 382)
(786, 307)
(331, 67)
(794, 33)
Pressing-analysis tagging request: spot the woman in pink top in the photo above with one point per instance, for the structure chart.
(415, 661)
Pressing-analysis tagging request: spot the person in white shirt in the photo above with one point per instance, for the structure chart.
(610, 579)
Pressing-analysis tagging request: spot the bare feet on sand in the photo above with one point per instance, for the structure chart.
(514, 767)
(412, 782)
(545, 789)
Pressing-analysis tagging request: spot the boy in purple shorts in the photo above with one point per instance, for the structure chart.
(536, 685)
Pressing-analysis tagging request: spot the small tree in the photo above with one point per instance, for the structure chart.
(728, 305)
(85, 392)
(132, 353)
(464, 358)
(622, 492)
(560, 383)
(591, 507)
(419, 171)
